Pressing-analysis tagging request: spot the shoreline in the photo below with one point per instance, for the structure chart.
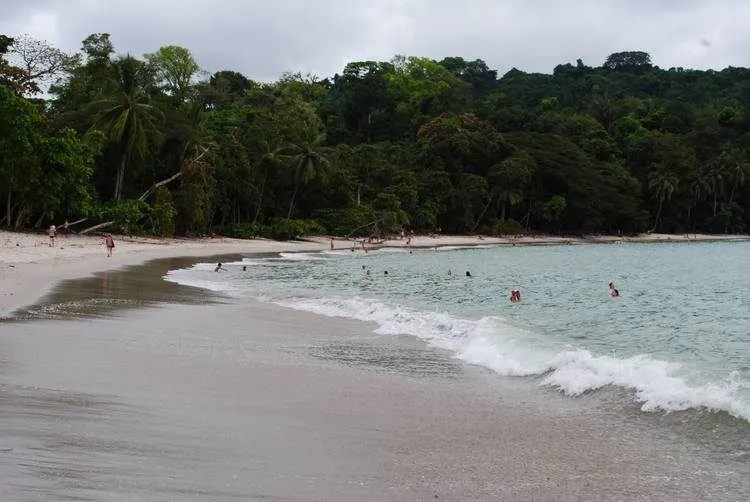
(30, 267)
(163, 403)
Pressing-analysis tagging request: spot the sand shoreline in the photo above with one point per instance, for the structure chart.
(241, 400)
(29, 267)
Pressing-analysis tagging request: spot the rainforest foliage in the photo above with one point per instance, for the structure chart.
(152, 145)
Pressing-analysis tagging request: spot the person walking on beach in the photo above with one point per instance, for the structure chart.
(109, 243)
(331, 243)
(52, 232)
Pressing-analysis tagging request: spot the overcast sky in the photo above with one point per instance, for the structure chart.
(262, 38)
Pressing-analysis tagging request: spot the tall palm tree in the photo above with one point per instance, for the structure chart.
(738, 171)
(306, 158)
(663, 184)
(269, 159)
(508, 196)
(126, 117)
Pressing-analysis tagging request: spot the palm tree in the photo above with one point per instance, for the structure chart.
(508, 196)
(270, 158)
(306, 159)
(126, 117)
(738, 170)
(663, 184)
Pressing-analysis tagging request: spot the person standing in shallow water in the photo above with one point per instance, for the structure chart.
(515, 296)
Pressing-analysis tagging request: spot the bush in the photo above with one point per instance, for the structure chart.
(352, 220)
(508, 227)
(162, 213)
(127, 215)
(284, 229)
(244, 230)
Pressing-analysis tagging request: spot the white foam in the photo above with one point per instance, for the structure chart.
(495, 344)
(302, 256)
(202, 275)
(492, 343)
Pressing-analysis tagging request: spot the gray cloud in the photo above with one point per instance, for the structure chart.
(263, 39)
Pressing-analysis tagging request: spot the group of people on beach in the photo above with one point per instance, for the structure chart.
(107, 240)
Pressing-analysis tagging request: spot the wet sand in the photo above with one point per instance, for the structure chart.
(156, 392)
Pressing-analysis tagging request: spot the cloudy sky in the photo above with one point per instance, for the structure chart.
(263, 38)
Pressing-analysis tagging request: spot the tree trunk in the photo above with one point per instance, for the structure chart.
(260, 197)
(729, 206)
(120, 176)
(291, 204)
(96, 227)
(479, 220)
(658, 215)
(20, 217)
(9, 210)
(714, 203)
(153, 188)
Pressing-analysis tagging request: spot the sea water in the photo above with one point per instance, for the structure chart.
(678, 337)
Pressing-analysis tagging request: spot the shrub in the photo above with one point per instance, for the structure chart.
(127, 215)
(284, 228)
(352, 220)
(508, 227)
(162, 213)
(244, 230)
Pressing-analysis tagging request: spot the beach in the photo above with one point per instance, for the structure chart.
(29, 266)
(158, 391)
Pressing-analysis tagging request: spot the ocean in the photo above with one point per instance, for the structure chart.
(677, 339)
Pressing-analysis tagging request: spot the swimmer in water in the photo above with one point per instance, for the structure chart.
(613, 290)
(468, 274)
(515, 296)
(218, 267)
(244, 268)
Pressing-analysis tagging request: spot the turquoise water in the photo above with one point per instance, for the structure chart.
(678, 336)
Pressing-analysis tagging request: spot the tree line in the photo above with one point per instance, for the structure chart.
(153, 145)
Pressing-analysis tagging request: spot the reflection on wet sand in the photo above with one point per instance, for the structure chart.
(108, 292)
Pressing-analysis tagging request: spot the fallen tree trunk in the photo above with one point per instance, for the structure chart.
(97, 227)
(157, 185)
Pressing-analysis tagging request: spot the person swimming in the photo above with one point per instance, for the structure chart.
(218, 267)
(613, 290)
(244, 268)
(468, 274)
(515, 296)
